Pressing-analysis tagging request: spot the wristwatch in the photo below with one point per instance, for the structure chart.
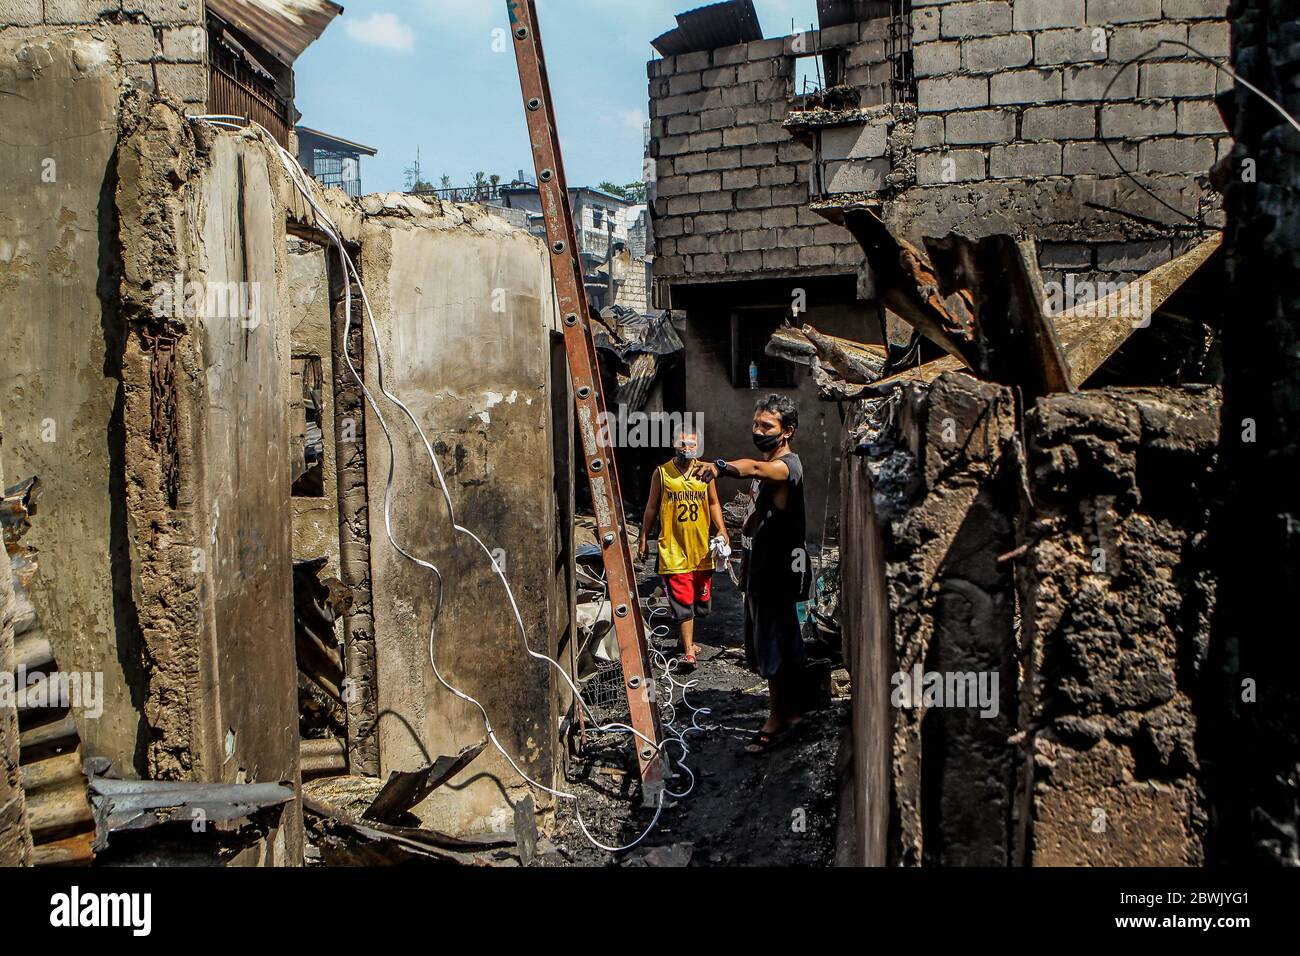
(721, 465)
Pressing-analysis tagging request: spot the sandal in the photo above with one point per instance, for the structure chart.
(763, 741)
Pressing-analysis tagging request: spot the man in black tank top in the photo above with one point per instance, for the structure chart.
(776, 575)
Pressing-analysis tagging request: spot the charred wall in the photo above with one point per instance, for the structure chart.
(15, 837)
(1256, 742)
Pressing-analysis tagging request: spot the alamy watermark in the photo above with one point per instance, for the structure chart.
(58, 690)
(241, 301)
(947, 689)
(628, 429)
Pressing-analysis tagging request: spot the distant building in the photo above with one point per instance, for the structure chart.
(605, 224)
(332, 161)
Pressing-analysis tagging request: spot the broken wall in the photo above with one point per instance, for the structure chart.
(465, 311)
(1117, 590)
(928, 508)
(206, 370)
(60, 389)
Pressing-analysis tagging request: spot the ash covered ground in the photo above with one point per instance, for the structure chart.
(775, 809)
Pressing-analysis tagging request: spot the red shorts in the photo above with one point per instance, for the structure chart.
(690, 594)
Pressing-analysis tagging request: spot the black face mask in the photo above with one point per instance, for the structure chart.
(766, 443)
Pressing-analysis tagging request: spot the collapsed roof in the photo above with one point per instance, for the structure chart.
(711, 27)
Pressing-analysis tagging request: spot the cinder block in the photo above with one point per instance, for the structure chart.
(745, 261)
(1059, 122)
(75, 11)
(980, 18)
(740, 179)
(766, 49)
(1078, 45)
(782, 217)
(691, 62)
(934, 59)
(986, 54)
(795, 195)
(760, 198)
(1025, 160)
(1109, 12)
(686, 123)
(1144, 40)
(730, 55)
(705, 182)
(1048, 14)
(713, 264)
(1170, 80)
(758, 155)
(943, 94)
(780, 259)
(1092, 159)
(817, 256)
(723, 158)
(718, 76)
(753, 115)
(854, 142)
(717, 119)
(684, 83)
(691, 163)
(137, 43)
(1138, 120)
(187, 82)
(1025, 86)
(951, 166)
(1133, 256)
(708, 224)
(1212, 39)
(740, 95)
(184, 44)
(981, 126)
(670, 186)
(683, 205)
(1191, 154)
(929, 132)
(721, 201)
(757, 70)
(789, 153)
(1091, 82)
(21, 13)
(1200, 116)
(1065, 255)
(778, 176)
(925, 24)
(740, 136)
(1196, 9)
(855, 176)
(708, 139)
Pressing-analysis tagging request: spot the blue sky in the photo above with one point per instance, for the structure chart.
(397, 74)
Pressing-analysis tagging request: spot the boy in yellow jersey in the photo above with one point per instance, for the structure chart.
(690, 511)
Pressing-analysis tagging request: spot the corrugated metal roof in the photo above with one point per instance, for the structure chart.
(832, 13)
(284, 27)
(711, 27)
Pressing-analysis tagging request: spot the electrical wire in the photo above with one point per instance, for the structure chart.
(305, 186)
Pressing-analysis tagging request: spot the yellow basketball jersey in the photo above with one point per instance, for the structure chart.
(683, 523)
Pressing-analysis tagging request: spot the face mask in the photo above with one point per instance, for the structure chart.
(767, 442)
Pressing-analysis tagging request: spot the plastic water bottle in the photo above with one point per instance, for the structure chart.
(753, 375)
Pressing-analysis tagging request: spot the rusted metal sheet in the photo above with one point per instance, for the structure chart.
(285, 27)
(1014, 341)
(602, 469)
(910, 287)
(404, 791)
(711, 27)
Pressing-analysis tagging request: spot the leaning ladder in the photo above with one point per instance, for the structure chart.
(589, 397)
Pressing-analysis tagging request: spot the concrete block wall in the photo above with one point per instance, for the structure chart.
(731, 187)
(162, 43)
(1018, 101)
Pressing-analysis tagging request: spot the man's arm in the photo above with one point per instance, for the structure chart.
(650, 517)
(776, 471)
(715, 512)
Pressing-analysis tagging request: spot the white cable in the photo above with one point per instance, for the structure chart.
(304, 185)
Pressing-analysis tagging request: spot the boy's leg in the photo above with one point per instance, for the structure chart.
(688, 637)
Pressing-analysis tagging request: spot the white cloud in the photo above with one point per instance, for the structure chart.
(383, 30)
